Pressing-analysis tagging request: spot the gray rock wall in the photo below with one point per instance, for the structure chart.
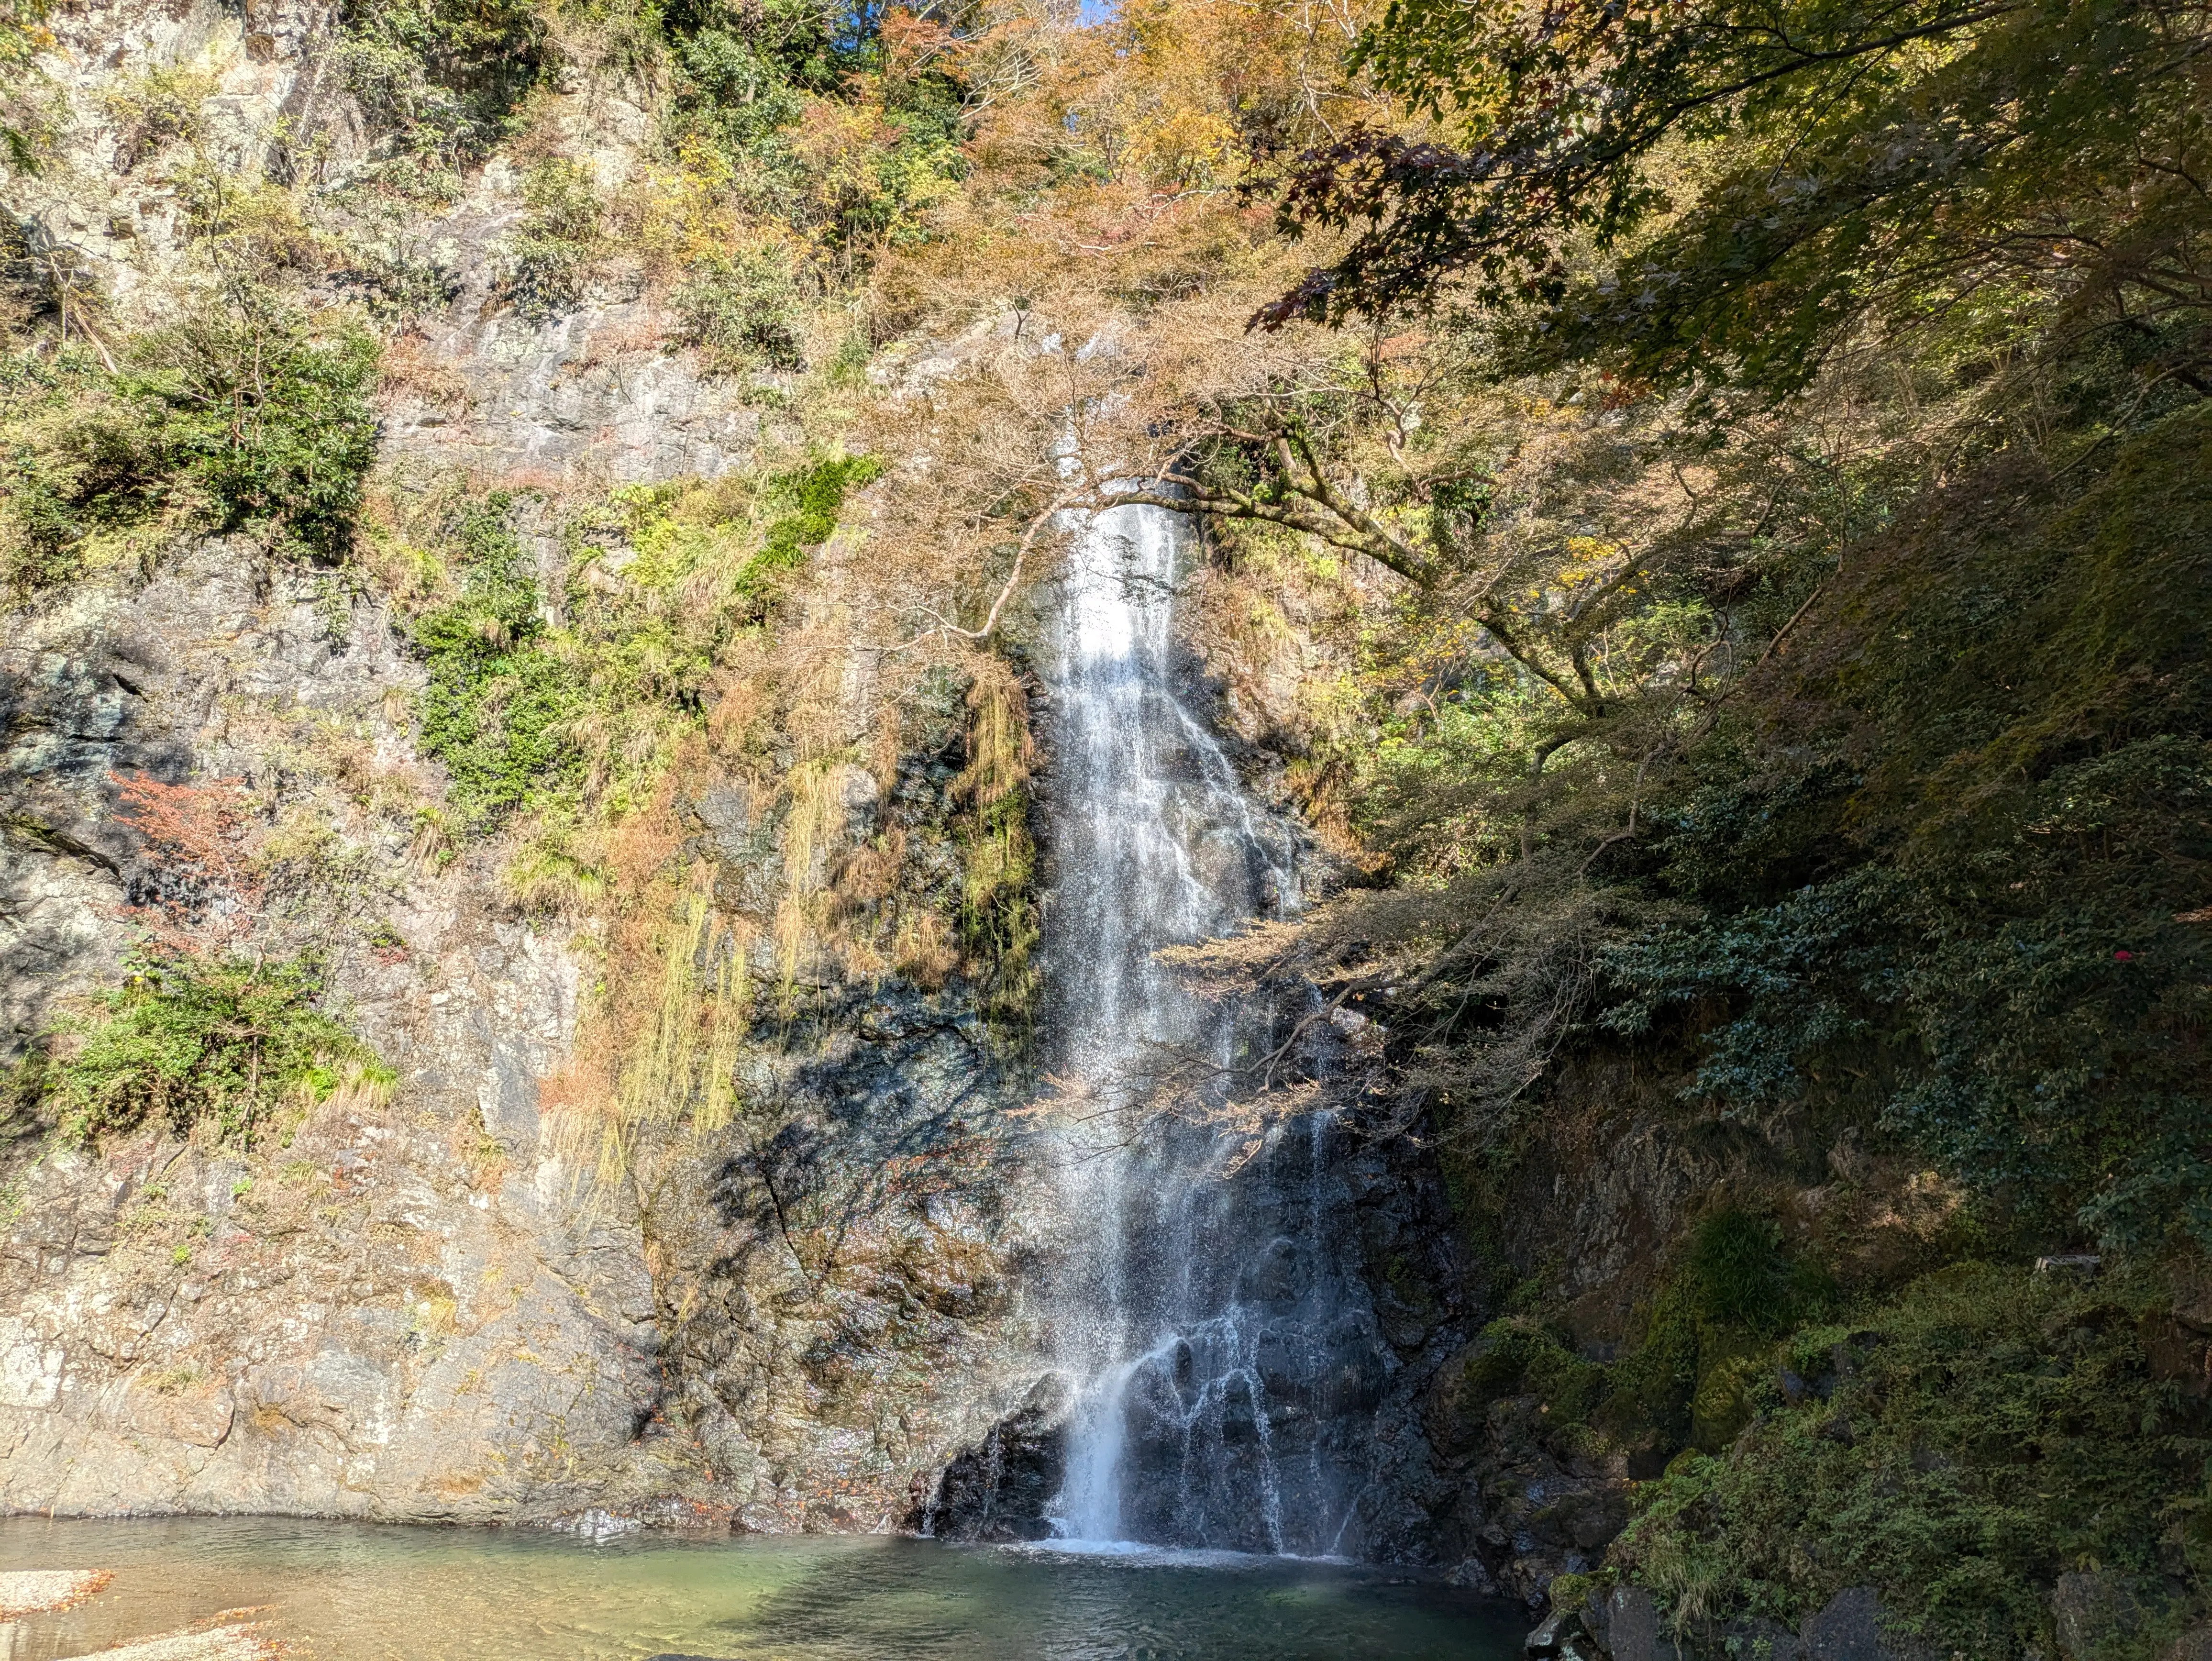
(399, 1312)
(412, 1308)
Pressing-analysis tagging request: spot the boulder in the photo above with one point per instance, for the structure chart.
(1851, 1629)
(1625, 1623)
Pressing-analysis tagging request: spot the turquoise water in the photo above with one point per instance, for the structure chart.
(362, 1592)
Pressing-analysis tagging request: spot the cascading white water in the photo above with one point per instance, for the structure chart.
(1154, 846)
(1205, 1322)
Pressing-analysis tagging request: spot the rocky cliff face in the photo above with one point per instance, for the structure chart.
(410, 1305)
(398, 1312)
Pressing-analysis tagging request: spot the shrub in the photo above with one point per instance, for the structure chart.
(438, 79)
(860, 167)
(558, 240)
(1959, 1448)
(29, 100)
(156, 109)
(187, 1040)
(73, 465)
(268, 414)
(731, 90)
(742, 311)
(400, 277)
(498, 707)
(238, 415)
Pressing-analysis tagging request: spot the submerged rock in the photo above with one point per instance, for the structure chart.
(238, 1642)
(31, 1592)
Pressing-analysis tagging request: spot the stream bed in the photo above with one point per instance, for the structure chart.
(346, 1592)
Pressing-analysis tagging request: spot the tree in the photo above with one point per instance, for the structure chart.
(1725, 193)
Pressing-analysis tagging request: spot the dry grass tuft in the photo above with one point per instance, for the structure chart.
(410, 369)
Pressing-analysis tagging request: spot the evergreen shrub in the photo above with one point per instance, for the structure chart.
(190, 1040)
(240, 415)
(1960, 1446)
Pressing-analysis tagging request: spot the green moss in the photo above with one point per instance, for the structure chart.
(188, 1039)
(1520, 1356)
(22, 1089)
(1571, 1591)
(998, 911)
(1708, 1333)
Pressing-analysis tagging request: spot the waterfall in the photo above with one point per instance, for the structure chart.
(1215, 1343)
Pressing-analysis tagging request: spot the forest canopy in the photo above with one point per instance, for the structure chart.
(1902, 311)
(1721, 195)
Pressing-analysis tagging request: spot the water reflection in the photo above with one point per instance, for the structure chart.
(358, 1592)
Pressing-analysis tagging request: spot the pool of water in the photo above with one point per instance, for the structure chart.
(362, 1592)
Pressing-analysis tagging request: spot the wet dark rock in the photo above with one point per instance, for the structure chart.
(1553, 1634)
(1625, 1625)
(999, 1489)
(2093, 1614)
(1851, 1629)
(1271, 1277)
(1588, 1517)
(1291, 1422)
